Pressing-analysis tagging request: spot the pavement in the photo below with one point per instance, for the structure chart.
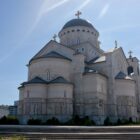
(72, 132)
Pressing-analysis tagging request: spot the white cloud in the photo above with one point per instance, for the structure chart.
(120, 28)
(80, 7)
(84, 4)
(46, 7)
(104, 11)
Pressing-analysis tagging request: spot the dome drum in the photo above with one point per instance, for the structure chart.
(78, 31)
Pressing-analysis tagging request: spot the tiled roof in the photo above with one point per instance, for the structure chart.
(35, 80)
(94, 71)
(59, 80)
(97, 60)
(91, 61)
(122, 75)
(52, 54)
(38, 80)
(77, 22)
(100, 59)
(90, 70)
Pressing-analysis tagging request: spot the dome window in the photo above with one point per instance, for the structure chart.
(138, 70)
(78, 30)
(83, 30)
(73, 30)
(88, 31)
(68, 31)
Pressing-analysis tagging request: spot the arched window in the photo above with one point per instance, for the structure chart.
(78, 41)
(28, 93)
(138, 70)
(65, 94)
(130, 70)
(73, 30)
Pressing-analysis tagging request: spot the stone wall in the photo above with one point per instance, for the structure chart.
(76, 35)
(50, 68)
(126, 99)
(95, 96)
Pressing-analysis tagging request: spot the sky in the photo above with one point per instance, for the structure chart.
(27, 25)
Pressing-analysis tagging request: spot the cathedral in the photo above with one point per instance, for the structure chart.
(74, 76)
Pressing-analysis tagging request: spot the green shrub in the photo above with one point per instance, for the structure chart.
(130, 120)
(119, 122)
(53, 121)
(87, 121)
(125, 121)
(9, 120)
(107, 121)
(34, 122)
(76, 120)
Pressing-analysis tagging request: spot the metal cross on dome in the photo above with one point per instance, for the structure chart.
(116, 44)
(54, 37)
(130, 54)
(78, 14)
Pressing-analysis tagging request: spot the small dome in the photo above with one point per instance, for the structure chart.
(77, 22)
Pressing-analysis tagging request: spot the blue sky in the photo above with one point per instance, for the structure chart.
(27, 25)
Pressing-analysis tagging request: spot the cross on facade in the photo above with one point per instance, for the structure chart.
(54, 37)
(78, 14)
(130, 54)
(116, 44)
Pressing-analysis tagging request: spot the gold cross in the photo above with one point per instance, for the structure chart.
(78, 14)
(54, 37)
(130, 54)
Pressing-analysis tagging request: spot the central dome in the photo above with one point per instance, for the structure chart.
(77, 22)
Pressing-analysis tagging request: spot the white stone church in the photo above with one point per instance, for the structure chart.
(76, 77)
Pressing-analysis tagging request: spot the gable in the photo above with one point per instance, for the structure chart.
(54, 46)
(88, 50)
(119, 61)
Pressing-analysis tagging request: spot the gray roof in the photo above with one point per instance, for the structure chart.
(94, 71)
(55, 55)
(91, 61)
(90, 70)
(112, 50)
(52, 54)
(77, 22)
(59, 80)
(35, 80)
(38, 80)
(97, 60)
(122, 75)
(100, 59)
